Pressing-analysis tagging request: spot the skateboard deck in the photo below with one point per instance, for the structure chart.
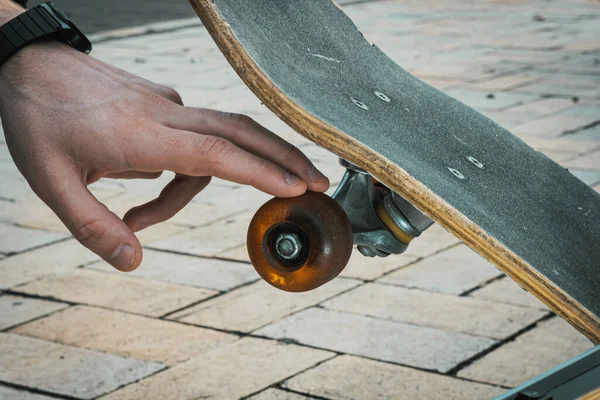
(530, 217)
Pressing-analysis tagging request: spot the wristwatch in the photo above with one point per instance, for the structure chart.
(43, 21)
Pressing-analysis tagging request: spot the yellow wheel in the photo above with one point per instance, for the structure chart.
(299, 244)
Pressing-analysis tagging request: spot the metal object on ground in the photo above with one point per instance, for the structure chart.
(578, 378)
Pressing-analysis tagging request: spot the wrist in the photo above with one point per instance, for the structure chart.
(9, 11)
(42, 52)
(36, 33)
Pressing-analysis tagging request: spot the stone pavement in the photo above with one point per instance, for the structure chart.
(196, 322)
(94, 17)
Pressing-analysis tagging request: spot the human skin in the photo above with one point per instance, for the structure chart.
(70, 120)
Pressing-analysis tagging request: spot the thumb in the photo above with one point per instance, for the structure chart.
(92, 223)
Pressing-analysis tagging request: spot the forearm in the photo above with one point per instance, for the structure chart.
(8, 10)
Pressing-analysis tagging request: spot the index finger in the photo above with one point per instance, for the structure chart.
(249, 135)
(194, 154)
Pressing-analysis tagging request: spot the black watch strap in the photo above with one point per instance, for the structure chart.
(43, 21)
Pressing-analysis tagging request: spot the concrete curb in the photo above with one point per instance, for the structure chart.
(147, 29)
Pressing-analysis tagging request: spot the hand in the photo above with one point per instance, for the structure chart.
(70, 120)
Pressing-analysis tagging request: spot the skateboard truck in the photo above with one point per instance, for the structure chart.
(383, 222)
(299, 244)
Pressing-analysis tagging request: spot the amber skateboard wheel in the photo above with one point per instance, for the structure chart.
(298, 244)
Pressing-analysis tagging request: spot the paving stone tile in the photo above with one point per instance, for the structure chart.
(33, 213)
(531, 354)
(583, 45)
(236, 370)
(507, 118)
(256, 305)
(202, 214)
(192, 215)
(65, 370)
(281, 129)
(119, 292)
(543, 106)
(484, 100)
(194, 97)
(277, 394)
(451, 313)
(506, 290)
(587, 101)
(367, 268)
(398, 342)
(209, 240)
(538, 58)
(125, 201)
(442, 84)
(589, 161)
(241, 199)
(532, 41)
(158, 232)
(8, 393)
(566, 145)
(559, 157)
(586, 64)
(239, 99)
(353, 378)
(14, 187)
(443, 71)
(552, 126)
(7, 210)
(47, 260)
(239, 253)
(187, 270)
(16, 239)
(589, 177)
(105, 189)
(504, 83)
(565, 85)
(452, 271)
(124, 334)
(38, 216)
(136, 191)
(587, 134)
(434, 239)
(15, 310)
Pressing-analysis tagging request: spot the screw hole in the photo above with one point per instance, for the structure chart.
(475, 162)
(360, 104)
(456, 173)
(382, 96)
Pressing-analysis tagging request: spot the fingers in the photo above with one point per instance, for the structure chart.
(164, 91)
(161, 90)
(192, 154)
(251, 137)
(134, 175)
(90, 222)
(176, 195)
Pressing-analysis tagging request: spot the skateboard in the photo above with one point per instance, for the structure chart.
(413, 155)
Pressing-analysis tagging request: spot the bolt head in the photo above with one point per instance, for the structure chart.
(288, 246)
